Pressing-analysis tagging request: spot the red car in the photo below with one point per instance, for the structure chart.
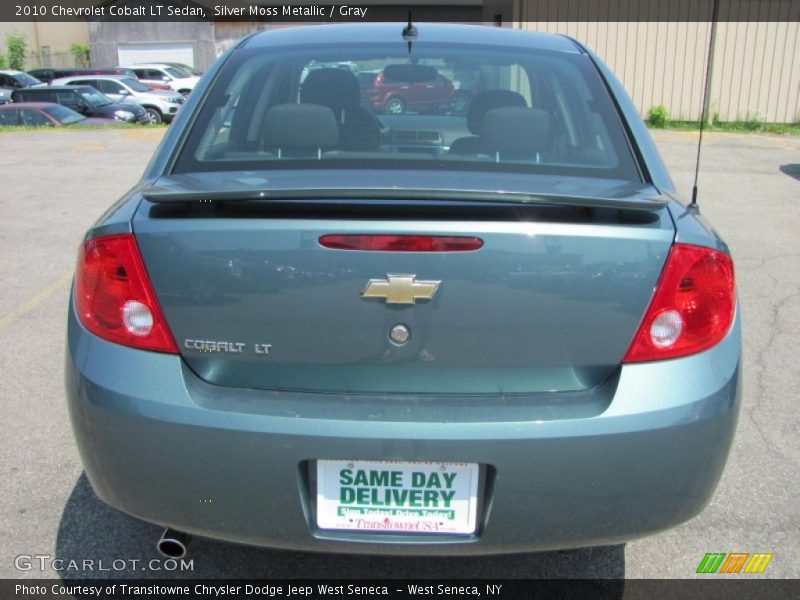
(400, 88)
(45, 114)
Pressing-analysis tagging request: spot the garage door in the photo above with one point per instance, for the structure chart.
(131, 54)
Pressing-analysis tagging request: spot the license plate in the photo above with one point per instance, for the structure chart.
(400, 497)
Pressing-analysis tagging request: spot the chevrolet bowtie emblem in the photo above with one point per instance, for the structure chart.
(400, 289)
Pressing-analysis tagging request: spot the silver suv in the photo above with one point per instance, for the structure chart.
(176, 78)
(161, 105)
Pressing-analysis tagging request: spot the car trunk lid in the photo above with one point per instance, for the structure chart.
(550, 301)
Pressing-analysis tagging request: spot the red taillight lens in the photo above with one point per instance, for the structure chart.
(114, 298)
(401, 243)
(692, 308)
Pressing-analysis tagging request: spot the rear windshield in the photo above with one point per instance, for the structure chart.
(95, 98)
(441, 106)
(186, 69)
(26, 79)
(177, 73)
(410, 73)
(64, 114)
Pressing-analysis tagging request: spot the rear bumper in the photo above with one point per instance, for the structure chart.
(164, 446)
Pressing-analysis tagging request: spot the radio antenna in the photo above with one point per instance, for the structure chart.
(410, 33)
(706, 94)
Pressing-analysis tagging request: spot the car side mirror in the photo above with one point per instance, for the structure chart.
(165, 79)
(124, 92)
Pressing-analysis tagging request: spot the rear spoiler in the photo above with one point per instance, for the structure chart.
(171, 195)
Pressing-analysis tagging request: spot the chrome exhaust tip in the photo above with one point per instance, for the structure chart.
(172, 544)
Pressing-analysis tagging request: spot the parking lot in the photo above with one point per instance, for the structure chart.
(55, 184)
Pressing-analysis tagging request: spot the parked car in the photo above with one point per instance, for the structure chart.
(322, 337)
(45, 114)
(402, 87)
(366, 79)
(85, 100)
(49, 74)
(159, 105)
(175, 78)
(186, 68)
(11, 80)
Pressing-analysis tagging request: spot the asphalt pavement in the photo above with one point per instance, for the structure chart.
(56, 183)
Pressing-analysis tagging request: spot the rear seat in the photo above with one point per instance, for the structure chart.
(515, 133)
(299, 131)
(482, 103)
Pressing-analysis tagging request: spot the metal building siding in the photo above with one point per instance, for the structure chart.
(105, 37)
(154, 52)
(756, 70)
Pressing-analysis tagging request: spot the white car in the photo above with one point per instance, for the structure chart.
(176, 78)
(161, 105)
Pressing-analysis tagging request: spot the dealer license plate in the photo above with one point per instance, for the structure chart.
(401, 497)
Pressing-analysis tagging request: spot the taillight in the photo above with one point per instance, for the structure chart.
(113, 296)
(692, 308)
(401, 243)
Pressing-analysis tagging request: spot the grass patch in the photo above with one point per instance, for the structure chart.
(749, 126)
(8, 128)
(658, 117)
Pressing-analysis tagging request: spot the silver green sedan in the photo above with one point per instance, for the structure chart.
(478, 331)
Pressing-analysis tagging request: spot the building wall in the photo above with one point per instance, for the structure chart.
(26, 29)
(47, 41)
(227, 33)
(756, 69)
(106, 36)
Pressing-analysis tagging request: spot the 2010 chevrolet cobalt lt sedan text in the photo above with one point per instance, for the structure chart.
(494, 330)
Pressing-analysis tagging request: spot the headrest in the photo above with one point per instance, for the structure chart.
(483, 102)
(300, 126)
(337, 89)
(515, 129)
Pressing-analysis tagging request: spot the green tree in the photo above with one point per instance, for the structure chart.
(3, 62)
(17, 50)
(81, 54)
